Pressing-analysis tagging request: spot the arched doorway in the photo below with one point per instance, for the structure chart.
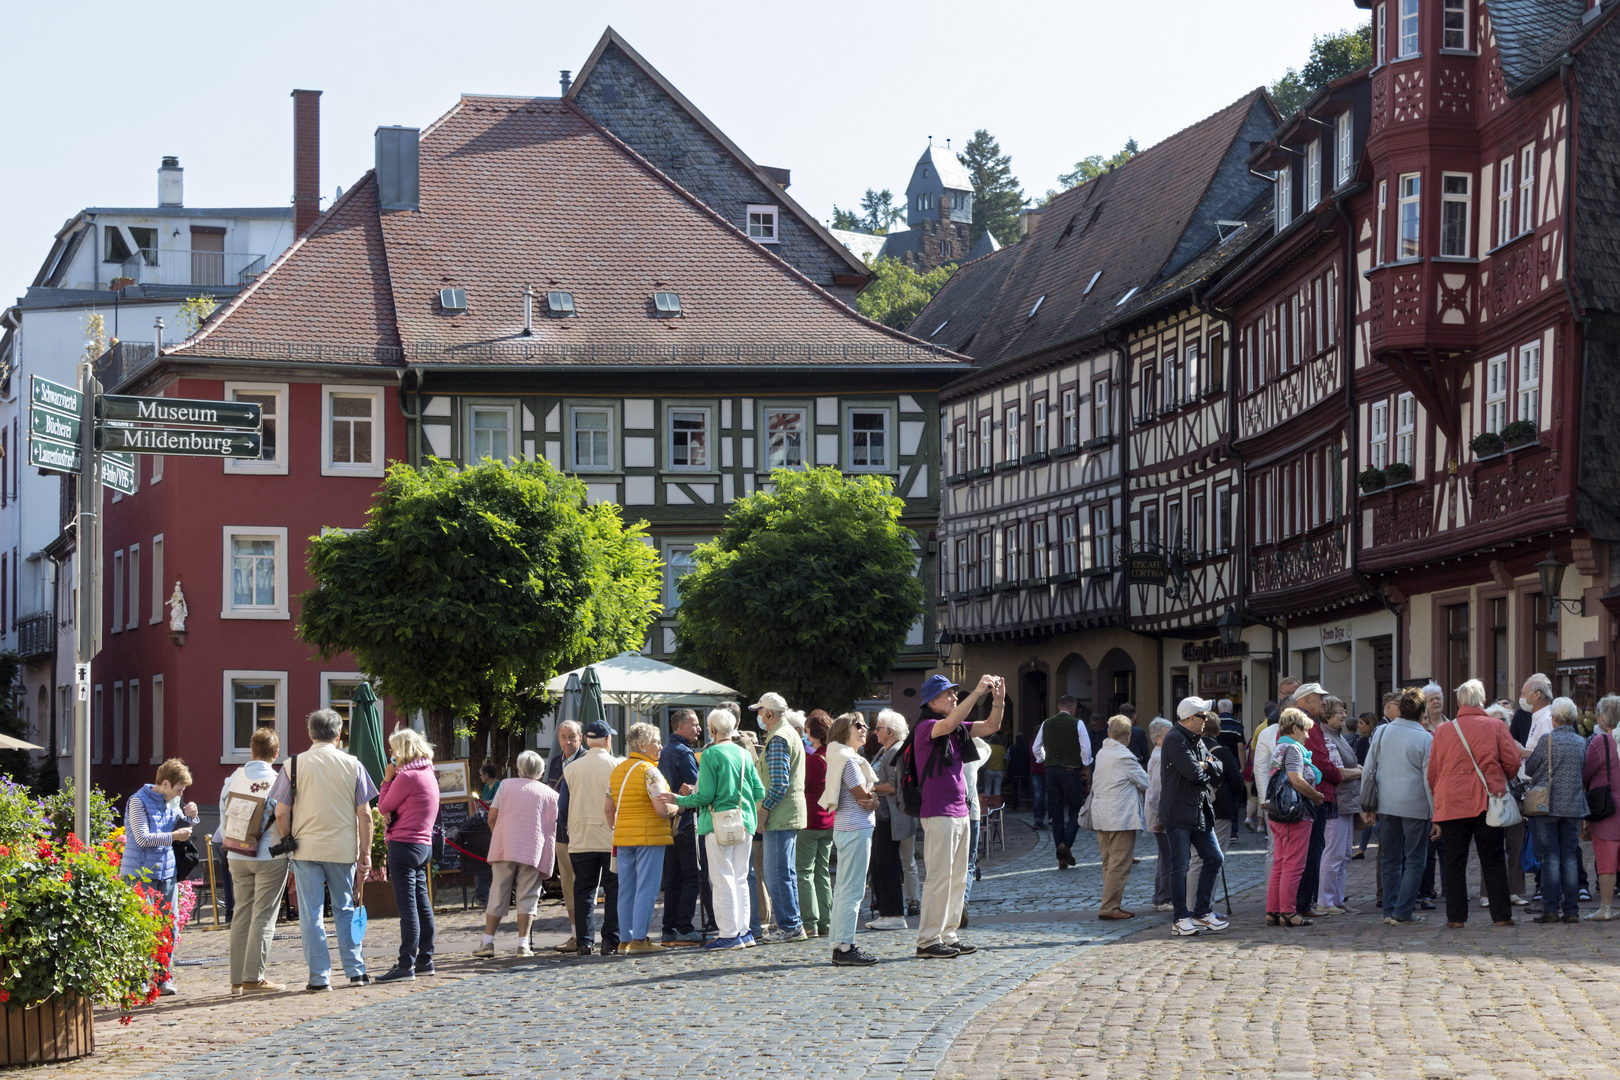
(1031, 703)
(1074, 679)
(1116, 683)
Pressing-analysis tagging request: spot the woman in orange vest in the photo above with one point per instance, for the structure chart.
(640, 833)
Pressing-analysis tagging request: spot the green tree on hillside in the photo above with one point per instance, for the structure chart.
(897, 292)
(1094, 166)
(997, 197)
(1332, 56)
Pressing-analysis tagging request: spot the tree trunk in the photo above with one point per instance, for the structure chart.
(441, 732)
(501, 740)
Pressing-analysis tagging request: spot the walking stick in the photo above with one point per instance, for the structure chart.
(213, 889)
(1225, 890)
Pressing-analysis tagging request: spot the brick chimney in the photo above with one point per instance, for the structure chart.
(306, 159)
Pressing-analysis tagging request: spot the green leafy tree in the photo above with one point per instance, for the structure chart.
(878, 213)
(897, 292)
(845, 219)
(195, 311)
(1094, 166)
(997, 197)
(809, 590)
(471, 588)
(13, 763)
(1332, 56)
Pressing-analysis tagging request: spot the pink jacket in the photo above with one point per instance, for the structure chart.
(412, 796)
(525, 829)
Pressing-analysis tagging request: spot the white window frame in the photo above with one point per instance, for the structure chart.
(711, 451)
(1039, 556)
(986, 442)
(514, 435)
(1069, 545)
(1012, 545)
(891, 455)
(987, 559)
(1101, 400)
(1197, 524)
(117, 624)
(806, 434)
(1527, 188)
(1011, 428)
(157, 721)
(1504, 201)
(962, 465)
(1221, 541)
(1529, 382)
(1383, 209)
(376, 466)
(1378, 436)
(230, 754)
(1383, 36)
(672, 600)
(1344, 129)
(1284, 179)
(1409, 211)
(283, 398)
(573, 438)
(1102, 537)
(1408, 36)
(1406, 429)
(117, 719)
(244, 532)
(1313, 173)
(1496, 393)
(98, 725)
(1171, 388)
(1448, 9)
(1070, 417)
(761, 232)
(1192, 367)
(327, 679)
(132, 708)
(1450, 200)
(132, 574)
(157, 579)
(1039, 442)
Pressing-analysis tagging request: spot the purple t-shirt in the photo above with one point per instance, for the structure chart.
(943, 794)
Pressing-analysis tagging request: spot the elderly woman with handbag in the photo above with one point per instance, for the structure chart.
(1290, 796)
(1115, 811)
(641, 833)
(522, 849)
(727, 791)
(1555, 766)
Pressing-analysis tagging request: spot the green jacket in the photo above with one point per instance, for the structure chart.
(726, 780)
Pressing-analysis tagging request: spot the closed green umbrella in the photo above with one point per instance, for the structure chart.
(366, 733)
(590, 699)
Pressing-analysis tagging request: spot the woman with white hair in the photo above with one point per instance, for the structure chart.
(1556, 764)
(522, 849)
(640, 819)
(1601, 763)
(727, 782)
(1471, 758)
(409, 802)
(1117, 783)
(895, 828)
(1157, 730)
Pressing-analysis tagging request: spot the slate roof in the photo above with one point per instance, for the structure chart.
(1137, 224)
(1597, 169)
(1530, 33)
(865, 245)
(984, 246)
(953, 175)
(522, 192)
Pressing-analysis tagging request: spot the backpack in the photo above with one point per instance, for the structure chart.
(911, 781)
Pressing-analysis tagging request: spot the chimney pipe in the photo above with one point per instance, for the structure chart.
(528, 311)
(306, 159)
(171, 183)
(566, 80)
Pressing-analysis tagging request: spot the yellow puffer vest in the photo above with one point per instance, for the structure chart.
(639, 824)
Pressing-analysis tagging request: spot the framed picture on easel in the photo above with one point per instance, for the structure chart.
(454, 779)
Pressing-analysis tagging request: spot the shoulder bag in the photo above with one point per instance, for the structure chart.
(1500, 810)
(1538, 797)
(1284, 804)
(729, 827)
(1369, 780)
(1600, 797)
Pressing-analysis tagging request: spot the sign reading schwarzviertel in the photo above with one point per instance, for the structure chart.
(241, 415)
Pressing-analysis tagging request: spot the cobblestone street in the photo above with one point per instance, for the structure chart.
(1051, 993)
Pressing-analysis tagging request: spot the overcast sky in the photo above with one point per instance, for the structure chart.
(846, 94)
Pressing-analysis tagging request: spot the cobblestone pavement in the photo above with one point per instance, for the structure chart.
(1051, 992)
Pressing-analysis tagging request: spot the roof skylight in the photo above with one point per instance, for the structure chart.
(453, 300)
(1041, 300)
(1130, 292)
(1092, 282)
(668, 305)
(560, 305)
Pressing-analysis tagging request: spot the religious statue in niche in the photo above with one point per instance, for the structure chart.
(177, 614)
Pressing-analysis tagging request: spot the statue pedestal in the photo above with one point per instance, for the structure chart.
(177, 636)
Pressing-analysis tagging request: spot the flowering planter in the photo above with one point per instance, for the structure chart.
(53, 1031)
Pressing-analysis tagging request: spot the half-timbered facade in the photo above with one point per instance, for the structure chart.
(1481, 357)
(1035, 508)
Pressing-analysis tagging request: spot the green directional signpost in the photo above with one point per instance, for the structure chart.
(95, 437)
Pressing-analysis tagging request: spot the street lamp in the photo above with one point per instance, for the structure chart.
(944, 645)
(1552, 579)
(1230, 625)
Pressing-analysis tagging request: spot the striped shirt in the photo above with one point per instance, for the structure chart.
(850, 817)
(135, 820)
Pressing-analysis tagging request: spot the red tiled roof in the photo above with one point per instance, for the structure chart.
(522, 192)
(1127, 223)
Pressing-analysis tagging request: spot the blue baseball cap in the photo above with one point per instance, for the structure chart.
(933, 686)
(597, 730)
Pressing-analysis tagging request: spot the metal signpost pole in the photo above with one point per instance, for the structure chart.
(86, 625)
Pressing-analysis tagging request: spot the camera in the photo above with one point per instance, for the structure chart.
(288, 843)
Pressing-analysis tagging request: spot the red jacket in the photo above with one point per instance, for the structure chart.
(1457, 790)
(1316, 743)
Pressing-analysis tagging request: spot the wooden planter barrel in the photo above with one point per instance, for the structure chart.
(54, 1031)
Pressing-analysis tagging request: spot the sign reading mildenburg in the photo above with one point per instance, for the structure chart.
(146, 440)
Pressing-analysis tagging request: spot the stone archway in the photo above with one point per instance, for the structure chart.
(1115, 684)
(1033, 697)
(1075, 678)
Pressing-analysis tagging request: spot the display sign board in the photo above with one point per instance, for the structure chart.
(242, 415)
(53, 456)
(452, 816)
(53, 395)
(179, 441)
(50, 424)
(118, 472)
(1146, 568)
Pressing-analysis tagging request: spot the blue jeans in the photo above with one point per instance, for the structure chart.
(973, 858)
(1182, 843)
(641, 874)
(1038, 800)
(854, 854)
(1558, 840)
(1403, 848)
(782, 878)
(338, 879)
(408, 873)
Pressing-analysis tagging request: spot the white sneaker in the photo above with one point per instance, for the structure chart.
(524, 949)
(891, 922)
(1484, 901)
(1184, 928)
(1518, 901)
(1164, 907)
(1214, 922)
(484, 952)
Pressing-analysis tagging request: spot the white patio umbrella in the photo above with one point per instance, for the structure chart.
(640, 684)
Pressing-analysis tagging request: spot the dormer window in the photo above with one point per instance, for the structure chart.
(1285, 196)
(1313, 173)
(453, 301)
(762, 224)
(560, 305)
(667, 305)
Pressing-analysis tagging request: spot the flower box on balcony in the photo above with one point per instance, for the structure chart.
(1371, 480)
(1398, 472)
(1487, 444)
(1519, 434)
